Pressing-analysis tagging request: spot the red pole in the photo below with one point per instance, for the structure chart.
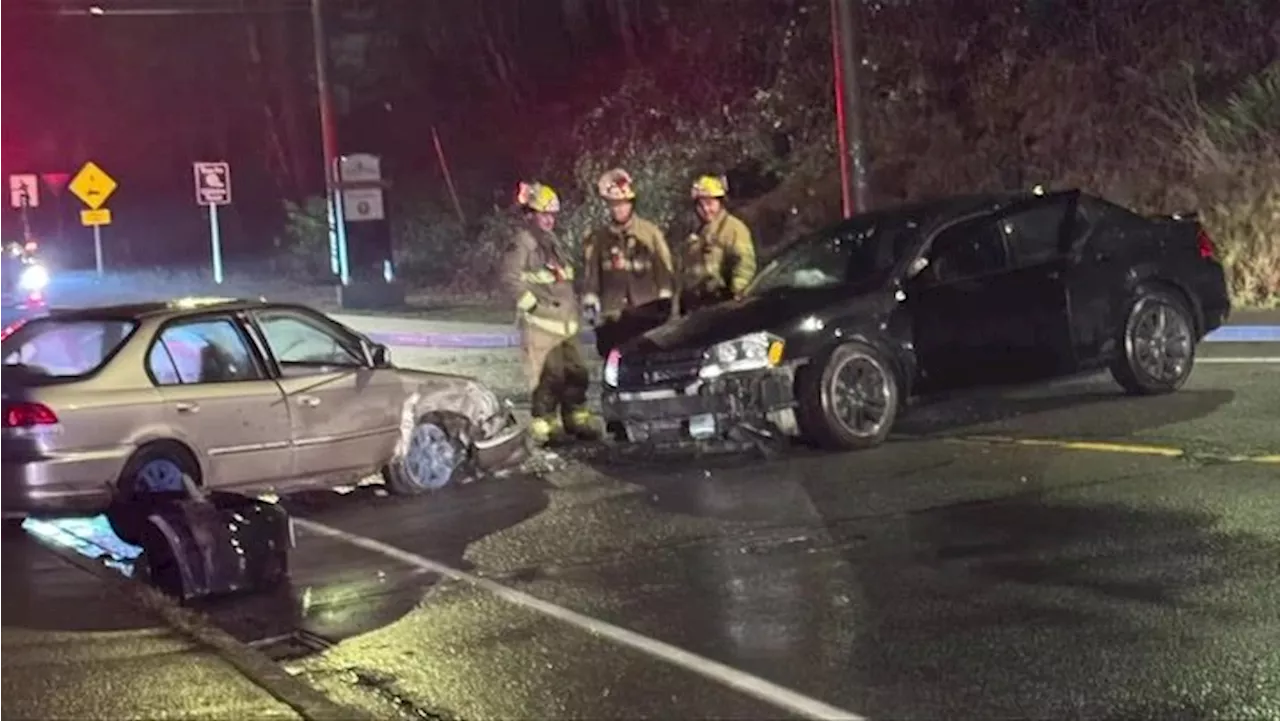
(846, 184)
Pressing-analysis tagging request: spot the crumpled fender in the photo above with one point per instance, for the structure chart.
(490, 421)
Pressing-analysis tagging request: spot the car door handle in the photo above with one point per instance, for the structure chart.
(308, 401)
(185, 407)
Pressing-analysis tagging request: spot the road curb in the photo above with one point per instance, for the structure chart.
(511, 339)
(266, 674)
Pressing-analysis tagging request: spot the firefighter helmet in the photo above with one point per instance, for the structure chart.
(616, 185)
(710, 186)
(537, 197)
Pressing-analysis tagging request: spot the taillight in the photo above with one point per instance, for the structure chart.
(28, 415)
(1208, 251)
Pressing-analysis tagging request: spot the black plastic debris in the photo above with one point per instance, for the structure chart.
(214, 544)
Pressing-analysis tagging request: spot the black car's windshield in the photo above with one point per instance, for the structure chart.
(864, 250)
(64, 348)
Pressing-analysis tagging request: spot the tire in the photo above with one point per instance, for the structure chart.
(442, 438)
(1157, 344)
(820, 397)
(147, 478)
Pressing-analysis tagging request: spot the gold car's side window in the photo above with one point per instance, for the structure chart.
(202, 351)
(294, 341)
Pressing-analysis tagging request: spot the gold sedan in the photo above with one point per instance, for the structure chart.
(107, 408)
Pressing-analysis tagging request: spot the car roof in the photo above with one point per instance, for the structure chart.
(174, 308)
(955, 206)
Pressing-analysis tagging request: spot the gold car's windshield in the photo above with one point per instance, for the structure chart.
(64, 348)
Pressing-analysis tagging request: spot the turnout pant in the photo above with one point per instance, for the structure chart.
(556, 373)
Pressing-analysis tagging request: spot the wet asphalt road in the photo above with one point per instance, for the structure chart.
(1012, 576)
(73, 648)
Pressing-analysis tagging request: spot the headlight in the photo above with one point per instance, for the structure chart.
(750, 352)
(611, 368)
(33, 278)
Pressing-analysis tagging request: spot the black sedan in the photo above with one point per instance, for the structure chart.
(843, 327)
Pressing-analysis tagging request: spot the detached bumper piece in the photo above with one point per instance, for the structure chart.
(506, 448)
(220, 544)
(706, 412)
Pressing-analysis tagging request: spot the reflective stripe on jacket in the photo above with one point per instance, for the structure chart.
(721, 255)
(626, 265)
(540, 282)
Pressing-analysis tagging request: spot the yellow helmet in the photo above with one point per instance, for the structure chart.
(537, 197)
(710, 186)
(616, 185)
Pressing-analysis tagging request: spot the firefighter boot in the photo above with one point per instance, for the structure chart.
(584, 426)
(543, 429)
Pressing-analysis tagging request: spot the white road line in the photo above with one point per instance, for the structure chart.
(1240, 360)
(754, 686)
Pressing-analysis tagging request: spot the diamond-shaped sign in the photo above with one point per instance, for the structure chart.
(92, 185)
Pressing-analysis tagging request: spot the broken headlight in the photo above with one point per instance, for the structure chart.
(750, 352)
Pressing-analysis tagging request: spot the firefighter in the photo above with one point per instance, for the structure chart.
(537, 276)
(720, 259)
(626, 262)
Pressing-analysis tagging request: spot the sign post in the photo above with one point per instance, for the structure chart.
(24, 194)
(213, 188)
(93, 186)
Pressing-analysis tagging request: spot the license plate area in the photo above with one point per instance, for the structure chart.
(702, 426)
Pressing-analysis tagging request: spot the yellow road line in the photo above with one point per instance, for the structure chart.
(1108, 447)
(1101, 446)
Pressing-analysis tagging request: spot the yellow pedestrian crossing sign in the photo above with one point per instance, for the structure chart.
(93, 186)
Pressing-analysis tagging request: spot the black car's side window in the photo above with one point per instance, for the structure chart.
(967, 250)
(207, 350)
(1034, 235)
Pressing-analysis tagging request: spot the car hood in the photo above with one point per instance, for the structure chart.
(783, 313)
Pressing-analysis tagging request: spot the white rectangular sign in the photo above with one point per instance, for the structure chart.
(362, 204)
(213, 183)
(24, 190)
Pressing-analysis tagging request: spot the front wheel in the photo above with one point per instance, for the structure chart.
(434, 456)
(1157, 345)
(848, 398)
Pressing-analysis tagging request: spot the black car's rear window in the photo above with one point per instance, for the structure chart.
(64, 348)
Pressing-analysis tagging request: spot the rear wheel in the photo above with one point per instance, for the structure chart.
(436, 455)
(155, 472)
(1157, 345)
(848, 398)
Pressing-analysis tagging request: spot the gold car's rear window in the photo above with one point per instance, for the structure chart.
(64, 348)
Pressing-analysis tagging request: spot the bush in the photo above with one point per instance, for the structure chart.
(971, 96)
(1232, 156)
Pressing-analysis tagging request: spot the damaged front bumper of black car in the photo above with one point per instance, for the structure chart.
(738, 393)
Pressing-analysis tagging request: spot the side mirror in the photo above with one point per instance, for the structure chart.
(376, 355)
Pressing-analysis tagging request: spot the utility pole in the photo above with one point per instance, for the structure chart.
(338, 260)
(854, 187)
